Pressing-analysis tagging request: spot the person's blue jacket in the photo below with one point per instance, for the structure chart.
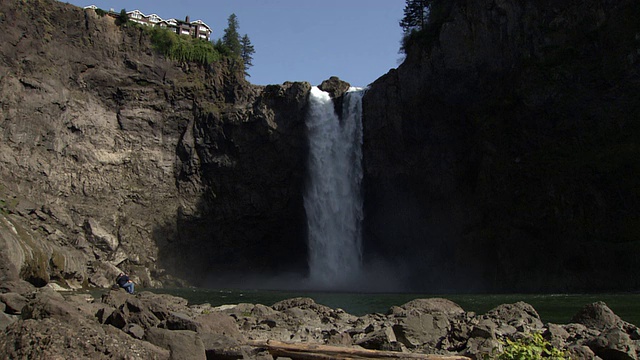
(122, 280)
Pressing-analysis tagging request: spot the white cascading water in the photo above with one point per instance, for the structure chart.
(333, 199)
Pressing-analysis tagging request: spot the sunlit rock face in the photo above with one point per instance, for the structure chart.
(114, 158)
(502, 154)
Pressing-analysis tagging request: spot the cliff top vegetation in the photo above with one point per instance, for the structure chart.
(422, 21)
(185, 48)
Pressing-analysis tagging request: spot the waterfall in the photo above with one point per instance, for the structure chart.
(333, 199)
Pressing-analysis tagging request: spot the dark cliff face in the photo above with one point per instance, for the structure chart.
(112, 156)
(250, 163)
(503, 154)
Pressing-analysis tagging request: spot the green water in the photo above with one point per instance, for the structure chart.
(558, 309)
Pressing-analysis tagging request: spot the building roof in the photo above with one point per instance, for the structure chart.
(156, 19)
(201, 23)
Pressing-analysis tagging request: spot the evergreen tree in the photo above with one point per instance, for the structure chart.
(247, 52)
(415, 17)
(231, 38)
(122, 18)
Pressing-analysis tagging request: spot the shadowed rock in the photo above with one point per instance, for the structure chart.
(519, 315)
(614, 344)
(335, 87)
(597, 316)
(13, 303)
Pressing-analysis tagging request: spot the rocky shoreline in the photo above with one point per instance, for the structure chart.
(45, 324)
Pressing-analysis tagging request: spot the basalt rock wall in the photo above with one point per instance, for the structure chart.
(503, 154)
(114, 158)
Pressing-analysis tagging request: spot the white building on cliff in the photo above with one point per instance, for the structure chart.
(197, 28)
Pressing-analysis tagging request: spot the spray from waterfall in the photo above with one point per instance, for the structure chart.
(333, 199)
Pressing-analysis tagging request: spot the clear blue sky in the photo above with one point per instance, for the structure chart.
(297, 40)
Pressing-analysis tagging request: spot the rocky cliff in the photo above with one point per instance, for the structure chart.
(503, 154)
(115, 158)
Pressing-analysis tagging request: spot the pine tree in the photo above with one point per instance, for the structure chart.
(231, 38)
(122, 18)
(415, 17)
(247, 51)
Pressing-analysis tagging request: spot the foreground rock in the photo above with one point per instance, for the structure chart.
(160, 326)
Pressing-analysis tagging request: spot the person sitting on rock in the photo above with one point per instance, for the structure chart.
(125, 283)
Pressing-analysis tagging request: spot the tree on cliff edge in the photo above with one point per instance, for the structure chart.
(122, 18)
(415, 17)
(247, 52)
(231, 38)
(239, 47)
(422, 20)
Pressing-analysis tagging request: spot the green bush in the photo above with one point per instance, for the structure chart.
(532, 347)
(123, 18)
(183, 48)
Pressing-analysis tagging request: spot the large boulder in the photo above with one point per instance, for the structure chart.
(609, 337)
(485, 329)
(219, 324)
(614, 344)
(13, 303)
(425, 322)
(162, 305)
(382, 339)
(220, 336)
(336, 89)
(49, 303)
(434, 305)
(132, 313)
(182, 344)
(334, 86)
(556, 335)
(422, 330)
(299, 302)
(16, 286)
(520, 315)
(218, 346)
(145, 309)
(479, 347)
(180, 321)
(598, 316)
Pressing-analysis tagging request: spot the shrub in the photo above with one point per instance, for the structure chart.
(123, 18)
(183, 48)
(532, 347)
